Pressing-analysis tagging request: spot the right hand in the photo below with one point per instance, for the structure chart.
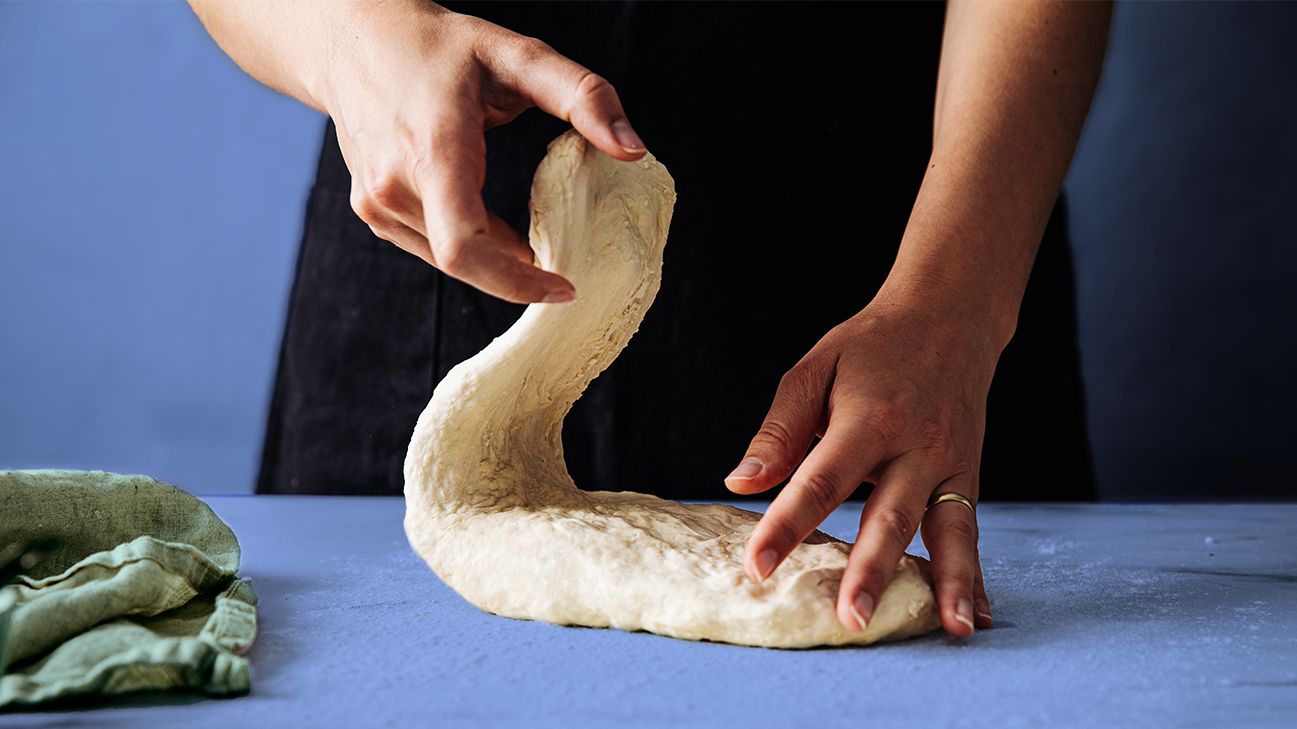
(411, 88)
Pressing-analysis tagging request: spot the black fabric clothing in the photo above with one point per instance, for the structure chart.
(791, 207)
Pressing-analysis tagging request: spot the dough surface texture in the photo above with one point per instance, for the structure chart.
(489, 502)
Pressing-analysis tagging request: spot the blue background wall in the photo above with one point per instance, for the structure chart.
(151, 197)
(1184, 193)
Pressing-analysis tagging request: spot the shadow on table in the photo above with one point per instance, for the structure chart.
(97, 708)
(278, 624)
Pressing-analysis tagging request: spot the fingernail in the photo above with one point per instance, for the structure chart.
(964, 612)
(765, 563)
(747, 469)
(862, 609)
(983, 609)
(559, 296)
(627, 137)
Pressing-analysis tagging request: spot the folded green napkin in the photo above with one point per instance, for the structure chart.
(138, 593)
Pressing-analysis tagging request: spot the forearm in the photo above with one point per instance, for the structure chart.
(287, 44)
(1014, 86)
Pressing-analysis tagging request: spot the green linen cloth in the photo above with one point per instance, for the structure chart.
(140, 592)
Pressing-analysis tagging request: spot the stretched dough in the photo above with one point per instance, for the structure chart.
(490, 504)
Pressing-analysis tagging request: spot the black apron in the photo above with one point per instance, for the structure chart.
(789, 215)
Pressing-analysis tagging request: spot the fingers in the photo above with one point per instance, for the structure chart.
(499, 273)
(498, 260)
(568, 91)
(887, 524)
(781, 442)
(488, 259)
(399, 207)
(405, 238)
(832, 470)
(510, 240)
(950, 533)
(467, 243)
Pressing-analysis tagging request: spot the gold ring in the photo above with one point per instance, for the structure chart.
(951, 496)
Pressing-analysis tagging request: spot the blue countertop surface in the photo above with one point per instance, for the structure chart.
(1107, 615)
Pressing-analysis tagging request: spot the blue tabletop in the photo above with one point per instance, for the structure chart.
(1107, 615)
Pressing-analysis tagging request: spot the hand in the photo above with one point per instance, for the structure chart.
(897, 395)
(412, 88)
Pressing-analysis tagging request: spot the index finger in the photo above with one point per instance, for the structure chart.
(449, 181)
(830, 473)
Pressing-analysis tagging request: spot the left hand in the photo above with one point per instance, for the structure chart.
(897, 395)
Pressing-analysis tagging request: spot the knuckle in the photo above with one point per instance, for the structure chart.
(821, 491)
(386, 193)
(801, 387)
(592, 86)
(774, 435)
(792, 382)
(788, 378)
(961, 530)
(376, 195)
(366, 208)
(531, 50)
(451, 256)
(896, 526)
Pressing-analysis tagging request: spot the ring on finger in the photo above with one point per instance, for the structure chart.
(951, 496)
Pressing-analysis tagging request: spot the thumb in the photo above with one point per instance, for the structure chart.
(785, 435)
(571, 92)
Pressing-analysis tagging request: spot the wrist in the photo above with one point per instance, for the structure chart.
(966, 256)
(951, 307)
(349, 35)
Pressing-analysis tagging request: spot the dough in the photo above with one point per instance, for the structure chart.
(489, 502)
